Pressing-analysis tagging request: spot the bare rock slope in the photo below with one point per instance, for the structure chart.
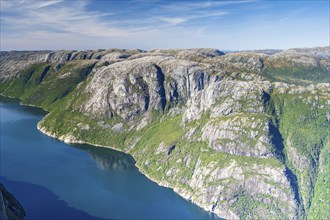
(239, 134)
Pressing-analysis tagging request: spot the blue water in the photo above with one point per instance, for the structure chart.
(53, 180)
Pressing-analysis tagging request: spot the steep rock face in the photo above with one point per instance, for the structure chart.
(144, 84)
(252, 182)
(10, 208)
(305, 130)
(239, 134)
(228, 97)
(126, 89)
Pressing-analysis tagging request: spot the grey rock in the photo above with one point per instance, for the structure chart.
(223, 100)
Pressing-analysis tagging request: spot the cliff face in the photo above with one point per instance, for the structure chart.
(240, 134)
(10, 208)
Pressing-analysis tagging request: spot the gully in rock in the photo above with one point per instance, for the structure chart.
(233, 136)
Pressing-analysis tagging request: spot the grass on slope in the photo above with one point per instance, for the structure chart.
(321, 202)
(305, 126)
(284, 71)
(41, 85)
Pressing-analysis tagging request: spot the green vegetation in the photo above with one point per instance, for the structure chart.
(41, 85)
(289, 72)
(299, 130)
(304, 127)
(29, 77)
(321, 201)
(62, 123)
(254, 207)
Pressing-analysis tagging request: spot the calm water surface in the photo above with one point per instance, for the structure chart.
(53, 180)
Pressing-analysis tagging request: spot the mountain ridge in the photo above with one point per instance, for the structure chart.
(239, 134)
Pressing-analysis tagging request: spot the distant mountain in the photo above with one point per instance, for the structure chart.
(265, 51)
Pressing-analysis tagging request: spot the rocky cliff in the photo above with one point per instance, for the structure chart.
(240, 134)
(10, 208)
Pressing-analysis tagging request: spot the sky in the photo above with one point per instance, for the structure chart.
(148, 24)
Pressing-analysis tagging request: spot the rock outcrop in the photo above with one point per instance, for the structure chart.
(10, 208)
(239, 134)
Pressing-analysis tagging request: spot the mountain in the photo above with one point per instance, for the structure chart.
(243, 134)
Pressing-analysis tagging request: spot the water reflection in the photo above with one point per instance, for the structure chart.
(71, 184)
(36, 200)
(108, 159)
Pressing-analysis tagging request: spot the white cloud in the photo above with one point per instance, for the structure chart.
(26, 4)
(71, 17)
(71, 24)
(173, 21)
(45, 4)
(215, 13)
(63, 24)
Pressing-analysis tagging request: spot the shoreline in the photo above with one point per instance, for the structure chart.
(70, 140)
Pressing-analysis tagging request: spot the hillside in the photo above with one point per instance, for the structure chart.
(241, 134)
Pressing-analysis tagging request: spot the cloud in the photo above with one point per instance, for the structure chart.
(75, 17)
(63, 20)
(70, 17)
(173, 21)
(215, 13)
(201, 5)
(26, 4)
(81, 24)
(45, 4)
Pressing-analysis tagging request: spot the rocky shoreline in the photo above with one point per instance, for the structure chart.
(239, 134)
(71, 140)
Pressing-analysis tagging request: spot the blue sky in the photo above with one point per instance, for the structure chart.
(147, 24)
